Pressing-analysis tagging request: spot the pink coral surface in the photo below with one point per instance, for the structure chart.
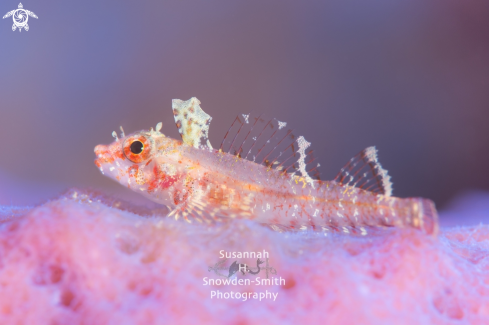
(87, 260)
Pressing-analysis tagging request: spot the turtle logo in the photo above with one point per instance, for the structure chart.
(20, 17)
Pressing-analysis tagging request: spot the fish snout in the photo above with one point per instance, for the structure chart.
(103, 155)
(101, 148)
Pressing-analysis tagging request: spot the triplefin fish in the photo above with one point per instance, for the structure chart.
(262, 172)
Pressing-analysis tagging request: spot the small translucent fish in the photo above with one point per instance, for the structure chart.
(262, 172)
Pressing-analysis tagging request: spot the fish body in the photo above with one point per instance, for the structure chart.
(254, 179)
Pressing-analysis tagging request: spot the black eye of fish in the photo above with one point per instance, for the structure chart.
(137, 147)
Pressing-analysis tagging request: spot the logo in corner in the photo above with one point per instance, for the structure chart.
(20, 17)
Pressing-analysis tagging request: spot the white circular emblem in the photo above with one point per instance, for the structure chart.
(20, 18)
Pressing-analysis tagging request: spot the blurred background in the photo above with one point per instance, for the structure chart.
(411, 77)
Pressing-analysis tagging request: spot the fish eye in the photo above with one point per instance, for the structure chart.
(137, 147)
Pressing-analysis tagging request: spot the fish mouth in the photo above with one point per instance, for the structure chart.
(104, 155)
(108, 154)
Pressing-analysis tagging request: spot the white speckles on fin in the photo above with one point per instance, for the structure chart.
(192, 122)
(364, 171)
(303, 145)
(270, 143)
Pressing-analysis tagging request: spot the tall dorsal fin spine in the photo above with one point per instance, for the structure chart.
(192, 122)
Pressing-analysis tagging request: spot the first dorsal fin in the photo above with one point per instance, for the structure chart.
(192, 122)
(364, 171)
(269, 142)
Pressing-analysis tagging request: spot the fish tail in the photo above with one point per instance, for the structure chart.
(425, 216)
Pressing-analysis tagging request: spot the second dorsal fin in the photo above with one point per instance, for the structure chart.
(271, 143)
(364, 171)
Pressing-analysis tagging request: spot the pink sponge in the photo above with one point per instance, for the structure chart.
(87, 260)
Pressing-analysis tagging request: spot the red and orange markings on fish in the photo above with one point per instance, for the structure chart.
(108, 154)
(262, 172)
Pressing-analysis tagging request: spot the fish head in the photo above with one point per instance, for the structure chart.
(145, 161)
(154, 165)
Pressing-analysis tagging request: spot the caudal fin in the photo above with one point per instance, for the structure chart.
(429, 217)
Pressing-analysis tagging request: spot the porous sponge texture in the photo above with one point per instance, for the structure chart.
(86, 260)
